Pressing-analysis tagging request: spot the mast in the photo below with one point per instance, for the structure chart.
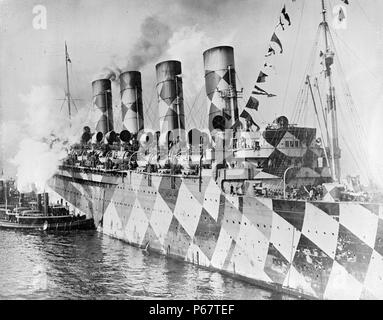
(329, 60)
(67, 81)
(316, 112)
(6, 194)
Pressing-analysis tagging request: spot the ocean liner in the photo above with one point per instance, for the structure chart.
(262, 204)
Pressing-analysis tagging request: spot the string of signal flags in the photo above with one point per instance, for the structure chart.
(275, 47)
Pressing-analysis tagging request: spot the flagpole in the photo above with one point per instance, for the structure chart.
(67, 83)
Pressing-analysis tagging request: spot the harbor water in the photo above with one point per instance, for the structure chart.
(90, 265)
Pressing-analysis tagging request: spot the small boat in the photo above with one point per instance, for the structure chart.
(42, 216)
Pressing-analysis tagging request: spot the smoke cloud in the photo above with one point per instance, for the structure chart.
(112, 73)
(210, 8)
(151, 44)
(187, 45)
(36, 162)
(43, 138)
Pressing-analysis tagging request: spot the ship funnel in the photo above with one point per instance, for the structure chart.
(220, 87)
(170, 99)
(2, 191)
(131, 101)
(102, 102)
(39, 202)
(46, 203)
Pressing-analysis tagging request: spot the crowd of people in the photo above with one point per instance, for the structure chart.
(92, 162)
(307, 192)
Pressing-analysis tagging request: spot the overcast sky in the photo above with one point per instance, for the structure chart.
(103, 34)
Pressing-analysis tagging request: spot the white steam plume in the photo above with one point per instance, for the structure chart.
(42, 138)
(187, 46)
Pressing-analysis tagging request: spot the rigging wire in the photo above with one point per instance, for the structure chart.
(192, 107)
(189, 120)
(323, 112)
(365, 14)
(70, 97)
(299, 98)
(347, 124)
(241, 84)
(292, 62)
(357, 164)
(303, 114)
(298, 105)
(148, 107)
(275, 28)
(349, 49)
(282, 162)
(358, 152)
(317, 116)
(355, 118)
(76, 79)
(195, 115)
(350, 103)
(300, 114)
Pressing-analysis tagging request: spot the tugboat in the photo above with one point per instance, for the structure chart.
(18, 213)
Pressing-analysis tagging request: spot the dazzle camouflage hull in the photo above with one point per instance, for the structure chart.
(325, 250)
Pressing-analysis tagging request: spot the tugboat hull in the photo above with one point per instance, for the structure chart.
(86, 224)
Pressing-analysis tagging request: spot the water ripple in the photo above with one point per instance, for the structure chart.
(89, 265)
